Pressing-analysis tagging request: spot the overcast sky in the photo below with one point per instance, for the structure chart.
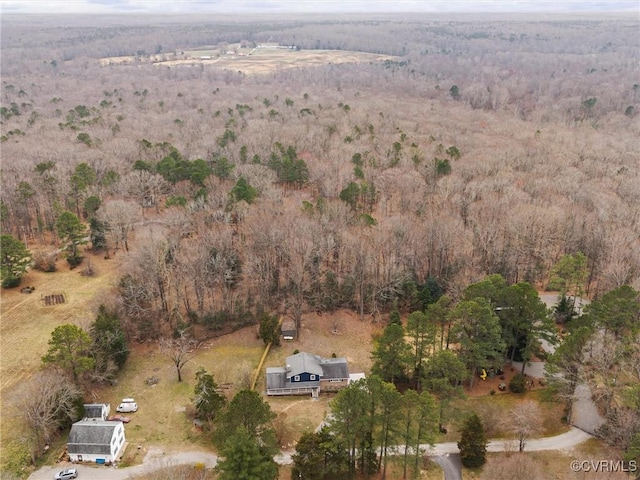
(278, 6)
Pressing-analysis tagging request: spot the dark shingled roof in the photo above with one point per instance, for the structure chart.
(334, 368)
(91, 437)
(93, 410)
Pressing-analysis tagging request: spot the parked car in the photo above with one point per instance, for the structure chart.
(127, 407)
(119, 418)
(65, 474)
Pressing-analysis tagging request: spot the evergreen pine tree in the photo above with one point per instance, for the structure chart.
(473, 443)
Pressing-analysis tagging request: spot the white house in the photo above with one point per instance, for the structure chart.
(95, 440)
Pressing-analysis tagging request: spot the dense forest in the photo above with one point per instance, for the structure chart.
(456, 164)
(482, 147)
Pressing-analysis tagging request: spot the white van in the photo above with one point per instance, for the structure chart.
(127, 407)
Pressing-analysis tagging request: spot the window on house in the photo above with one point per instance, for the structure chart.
(296, 378)
(312, 377)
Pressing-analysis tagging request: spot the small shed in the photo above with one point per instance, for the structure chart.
(289, 330)
(98, 411)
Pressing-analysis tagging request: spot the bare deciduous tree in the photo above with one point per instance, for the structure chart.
(120, 216)
(179, 350)
(524, 422)
(50, 403)
(145, 187)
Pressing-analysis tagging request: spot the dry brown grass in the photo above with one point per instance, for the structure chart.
(353, 339)
(270, 61)
(492, 409)
(25, 329)
(545, 465)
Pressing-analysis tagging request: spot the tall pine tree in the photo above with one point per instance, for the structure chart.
(473, 443)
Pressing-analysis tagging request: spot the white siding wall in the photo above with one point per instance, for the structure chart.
(117, 444)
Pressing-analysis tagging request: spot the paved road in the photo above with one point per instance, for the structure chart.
(566, 440)
(446, 455)
(450, 464)
(155, 459)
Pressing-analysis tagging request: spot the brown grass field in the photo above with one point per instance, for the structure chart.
(547, 464)
(254, 61)
(25, 328)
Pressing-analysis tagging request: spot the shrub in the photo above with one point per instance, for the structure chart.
(518, 383)
(74, 260)
(10, 282)
(45, 262)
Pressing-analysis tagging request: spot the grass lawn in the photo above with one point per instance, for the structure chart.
(26, 324)
(493, 408)
(547, 464)
(165, 410)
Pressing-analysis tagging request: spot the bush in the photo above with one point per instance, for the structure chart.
(518, 383)
(74, 260)
(11, 282)
(45, 262)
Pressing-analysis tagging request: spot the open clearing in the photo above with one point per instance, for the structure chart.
(26, 324)
(166, 410)
(252, 61)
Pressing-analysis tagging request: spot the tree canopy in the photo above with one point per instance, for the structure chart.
(477, 329)
(473, 443)
(244, 459)
(15, 259)
(73, 232)
(250, 415)
(70, 349)
(109, 350)
(208, 402)
(391, 354)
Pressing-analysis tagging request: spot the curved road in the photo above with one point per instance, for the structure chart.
(445, 455)
(451, 465)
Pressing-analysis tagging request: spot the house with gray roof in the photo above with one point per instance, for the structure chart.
(306, 373)
(96, 440)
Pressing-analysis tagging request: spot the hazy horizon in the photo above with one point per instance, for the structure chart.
(303, 6)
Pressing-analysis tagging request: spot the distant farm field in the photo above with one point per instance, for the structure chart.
(253, 61)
